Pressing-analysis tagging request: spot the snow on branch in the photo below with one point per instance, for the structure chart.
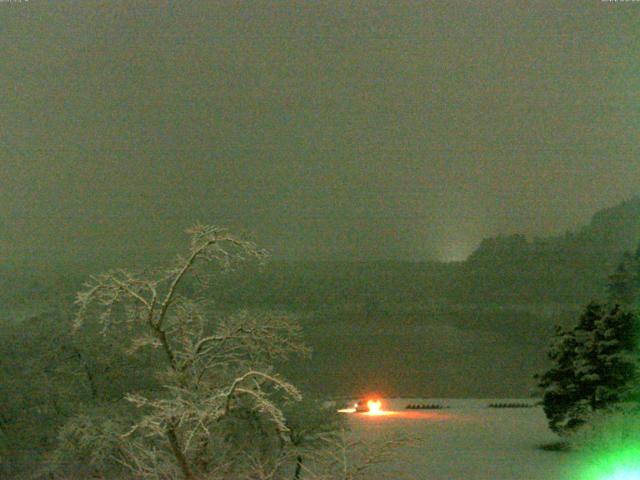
(220, 366)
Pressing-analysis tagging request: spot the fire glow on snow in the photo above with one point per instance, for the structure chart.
(375, 408)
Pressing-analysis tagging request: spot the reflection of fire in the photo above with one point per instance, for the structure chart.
(368, 409)
(375, 407)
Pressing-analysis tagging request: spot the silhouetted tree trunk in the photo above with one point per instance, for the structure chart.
(89, 375)
(296, 476)
(177, 452)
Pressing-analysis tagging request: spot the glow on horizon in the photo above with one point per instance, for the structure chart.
(455, 252)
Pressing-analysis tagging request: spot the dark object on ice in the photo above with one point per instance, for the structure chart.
(560, 446)
(429, 406)
(510, 405)
(361, 406)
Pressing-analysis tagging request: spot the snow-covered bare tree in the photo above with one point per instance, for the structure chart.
(219, 414)
(359, 459)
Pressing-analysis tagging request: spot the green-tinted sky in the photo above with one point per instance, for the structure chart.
(369, 129)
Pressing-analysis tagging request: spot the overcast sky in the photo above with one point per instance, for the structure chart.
(325, 129)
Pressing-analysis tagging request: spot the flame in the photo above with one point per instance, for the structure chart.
(375, 407)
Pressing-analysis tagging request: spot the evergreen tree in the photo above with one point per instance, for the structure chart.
(559, 381)
(586, 363)
(636, 277)
(624, 284)
(594, 367)
(621, 283)
(617, 356)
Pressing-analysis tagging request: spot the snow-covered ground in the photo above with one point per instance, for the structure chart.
(467, 441)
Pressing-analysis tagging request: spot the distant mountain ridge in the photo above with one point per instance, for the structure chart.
(616, 228)
(505, 270)
(571, 268)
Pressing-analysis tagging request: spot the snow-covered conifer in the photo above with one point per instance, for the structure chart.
(594, 367)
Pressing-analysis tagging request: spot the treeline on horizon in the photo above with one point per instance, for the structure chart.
(506, 270)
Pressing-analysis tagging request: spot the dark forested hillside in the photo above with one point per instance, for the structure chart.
(568, 269)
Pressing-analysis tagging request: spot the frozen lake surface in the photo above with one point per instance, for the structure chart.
(467, 441)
